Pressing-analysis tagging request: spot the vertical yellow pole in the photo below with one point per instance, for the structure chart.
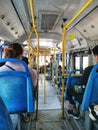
(44, 77)
(37, 36)
(41, 69)
(57, 76)
(63, 65)
(65, 27)
(37, 72)
(29, 48)
(53, 70)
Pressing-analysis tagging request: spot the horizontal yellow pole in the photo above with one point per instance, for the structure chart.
(66, 75)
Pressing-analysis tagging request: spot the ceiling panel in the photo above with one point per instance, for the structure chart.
(65, 8)
(89, 25)
(10, 25)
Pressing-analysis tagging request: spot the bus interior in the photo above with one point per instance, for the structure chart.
(53, 33)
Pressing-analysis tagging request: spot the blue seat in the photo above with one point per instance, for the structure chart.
(72, 80)
(91, 90)
(5, 120)
(16, 89)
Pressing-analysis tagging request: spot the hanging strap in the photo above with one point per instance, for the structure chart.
(10, 67)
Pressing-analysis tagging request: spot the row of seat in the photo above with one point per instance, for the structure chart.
(90, 94)
(91, 90)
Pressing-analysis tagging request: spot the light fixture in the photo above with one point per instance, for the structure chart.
(84, 30)
(7, 23)
(16, 32)
(92, 26)
(12, 28)
(2, 17)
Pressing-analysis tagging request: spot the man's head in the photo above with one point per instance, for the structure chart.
(95, 53)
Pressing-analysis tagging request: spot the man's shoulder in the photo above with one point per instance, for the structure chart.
(88, 70)
(89, 67)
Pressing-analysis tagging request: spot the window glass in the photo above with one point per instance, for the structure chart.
(85, 62)
(77, 62)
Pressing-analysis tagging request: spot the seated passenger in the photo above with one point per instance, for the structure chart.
(15, 50)
(93, 109)
(78, 90)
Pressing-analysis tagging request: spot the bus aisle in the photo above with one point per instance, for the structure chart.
(49, 113)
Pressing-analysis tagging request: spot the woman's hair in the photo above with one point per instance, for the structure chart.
(13, 51)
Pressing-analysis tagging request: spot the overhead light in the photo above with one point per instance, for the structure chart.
(16, 32)
(12, 28)
(7, 23)
(84, 30)
(92, 26)
(2, 17)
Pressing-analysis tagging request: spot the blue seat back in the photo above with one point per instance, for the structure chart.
(72, 80)
(16, 89)
(91, 90)
(5, 120)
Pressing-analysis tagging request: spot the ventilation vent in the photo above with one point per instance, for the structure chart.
(49, 20)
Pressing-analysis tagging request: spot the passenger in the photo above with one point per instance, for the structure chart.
(15, 50)
(93, 109)
(78, 90)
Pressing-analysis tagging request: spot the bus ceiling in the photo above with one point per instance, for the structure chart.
(16, 22)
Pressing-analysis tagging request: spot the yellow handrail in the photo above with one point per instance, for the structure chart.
(63, 65)
(32, 13)
(29, 46)
(44, 78)
(77, 14)
(37, 36)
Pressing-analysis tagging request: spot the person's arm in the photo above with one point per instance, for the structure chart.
(34, 77)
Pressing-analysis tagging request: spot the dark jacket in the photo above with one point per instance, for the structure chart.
(85, 76)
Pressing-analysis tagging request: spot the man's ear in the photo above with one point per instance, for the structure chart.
(97, 57)
(4, 51)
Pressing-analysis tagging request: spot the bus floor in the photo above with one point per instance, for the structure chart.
(49, 112)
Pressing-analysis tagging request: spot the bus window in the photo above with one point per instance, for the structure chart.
(77, 62)
(85, 62)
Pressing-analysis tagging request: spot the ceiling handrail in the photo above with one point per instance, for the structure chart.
(78, 13)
